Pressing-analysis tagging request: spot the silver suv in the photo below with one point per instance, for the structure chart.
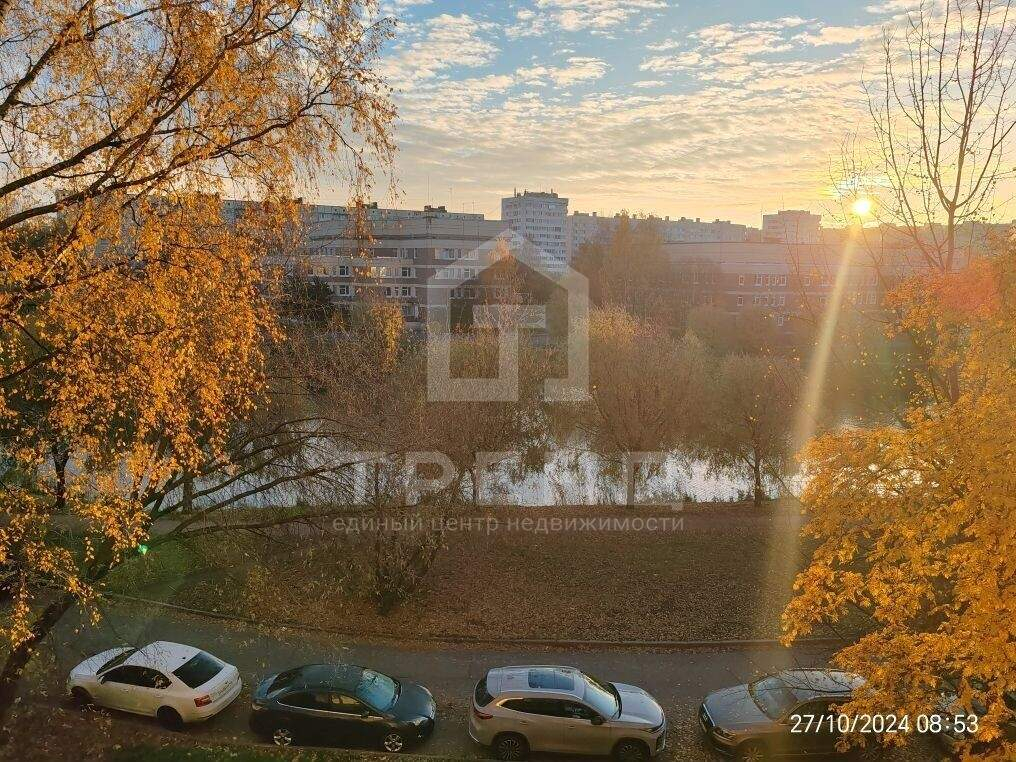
(516, 710)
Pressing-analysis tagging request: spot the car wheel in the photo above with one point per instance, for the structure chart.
(81, 697)
(282, 737)
(511, 747)
(751, 752)
(393, 742)
(630, 750)
(170, 718)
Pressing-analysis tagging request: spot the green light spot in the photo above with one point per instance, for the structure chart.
(142, 549)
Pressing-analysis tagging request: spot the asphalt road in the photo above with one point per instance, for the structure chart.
(678, 679)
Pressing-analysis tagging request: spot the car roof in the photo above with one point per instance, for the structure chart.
(815, 683)
(536, 680)
(162, 655)
(342, 677)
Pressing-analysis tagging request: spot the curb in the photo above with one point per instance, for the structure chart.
(663, 645)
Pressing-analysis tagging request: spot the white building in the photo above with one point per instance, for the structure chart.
(582, 227)
(791, 226)
(685, 230)
(540, 218)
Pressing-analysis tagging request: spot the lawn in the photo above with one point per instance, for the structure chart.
(716, 572)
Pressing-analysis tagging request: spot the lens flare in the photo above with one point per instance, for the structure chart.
(861, 207)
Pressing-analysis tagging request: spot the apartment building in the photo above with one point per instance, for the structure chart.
(584, 227)
(407, 253)
(784, 281)
(540, 217)
(791, 226)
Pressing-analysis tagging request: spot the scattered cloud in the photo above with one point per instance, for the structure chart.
(577, 69)
(580, 15)
(441, 43)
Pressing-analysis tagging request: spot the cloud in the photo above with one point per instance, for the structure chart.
(647, 83)
(441, 43)
(580, 15)
(577, 69)
(841, 35)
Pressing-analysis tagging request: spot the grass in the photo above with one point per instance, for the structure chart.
(725, 574)
(161, 570)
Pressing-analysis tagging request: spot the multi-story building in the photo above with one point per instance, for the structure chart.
(584, 227)
(407, 253)
(540, 218)
(784, 281)
(685, 230)
(791, 226)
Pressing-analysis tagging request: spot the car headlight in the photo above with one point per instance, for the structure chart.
(721, 733)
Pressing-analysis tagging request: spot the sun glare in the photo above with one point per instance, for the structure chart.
(861, 207)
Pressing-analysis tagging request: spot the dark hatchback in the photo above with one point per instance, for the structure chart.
(342, 705)
(757, 721)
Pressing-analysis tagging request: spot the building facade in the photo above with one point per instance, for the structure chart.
(792, 226)
(541, 219)
(786, 282)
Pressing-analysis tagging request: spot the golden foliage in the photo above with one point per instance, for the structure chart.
(133, 315)
(917, 523)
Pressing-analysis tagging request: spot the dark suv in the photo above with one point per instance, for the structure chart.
(759, 720)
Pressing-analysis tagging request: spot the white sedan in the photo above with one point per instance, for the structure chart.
(173, 682)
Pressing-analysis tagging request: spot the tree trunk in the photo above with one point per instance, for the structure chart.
(629, 480)
(759, 491)
(61, 454)
(476, 486)
(17, 660)
(187, 504)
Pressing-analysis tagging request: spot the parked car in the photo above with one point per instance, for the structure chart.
(342, 704)
(171, 681)
(516, 710)
(954, 736)
(756, 721)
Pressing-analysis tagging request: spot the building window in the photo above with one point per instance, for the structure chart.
(783, 280)
(757, 299)
(779, 320)
(807, 280)
(407, 272)
(758, 279)
(740, 299)
(343, 290)
(783, 301)
(740, 280)
(344, 270)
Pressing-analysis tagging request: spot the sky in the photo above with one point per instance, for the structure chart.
(675, 107)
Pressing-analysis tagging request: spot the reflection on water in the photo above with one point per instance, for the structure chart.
(585, 479)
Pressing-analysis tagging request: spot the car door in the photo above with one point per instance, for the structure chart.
(296, 713)
(116, 688)
(819, 732)
(543, 723)
(349, 721)
(151, 691)
(586, 732)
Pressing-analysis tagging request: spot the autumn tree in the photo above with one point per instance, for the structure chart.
(143, 321)
(750, 418)
(912, 519)
(915, 522)
(645, 394)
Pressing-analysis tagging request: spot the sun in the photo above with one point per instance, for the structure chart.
(861, 207)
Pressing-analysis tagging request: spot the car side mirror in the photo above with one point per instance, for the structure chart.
(596, 720)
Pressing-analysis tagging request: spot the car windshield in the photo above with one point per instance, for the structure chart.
(603, 697)
(199, 669)
(116, 660)
(772, 696)
(377, 690)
